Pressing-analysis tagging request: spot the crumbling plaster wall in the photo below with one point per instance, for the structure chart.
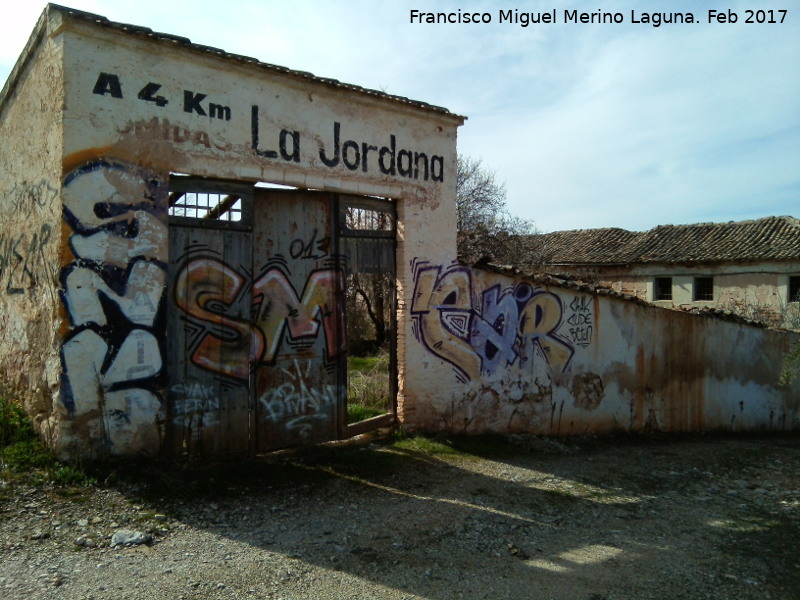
(30, 181)
(755, 290)
(498, 354)
(139, 108)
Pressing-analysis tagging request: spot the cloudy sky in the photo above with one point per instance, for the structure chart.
(589, 125)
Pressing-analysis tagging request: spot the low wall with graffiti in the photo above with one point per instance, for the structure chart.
(499, 354)
(95, 282)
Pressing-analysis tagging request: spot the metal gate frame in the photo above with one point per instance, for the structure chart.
(361, 246)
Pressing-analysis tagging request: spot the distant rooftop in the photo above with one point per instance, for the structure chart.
(767, 239)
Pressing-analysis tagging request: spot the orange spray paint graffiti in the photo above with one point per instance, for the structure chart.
(230, 345)
(207, 288)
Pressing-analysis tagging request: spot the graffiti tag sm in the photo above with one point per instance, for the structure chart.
(206, 288)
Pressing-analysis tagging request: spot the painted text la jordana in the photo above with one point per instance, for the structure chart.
(526, 18)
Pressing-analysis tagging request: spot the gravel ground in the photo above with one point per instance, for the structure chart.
(585, 519)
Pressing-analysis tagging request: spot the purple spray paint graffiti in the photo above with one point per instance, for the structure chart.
(505, 327)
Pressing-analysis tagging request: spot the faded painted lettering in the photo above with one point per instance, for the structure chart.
(335, 148)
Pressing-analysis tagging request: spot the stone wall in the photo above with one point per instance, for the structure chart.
(30, 233)
(498, 354)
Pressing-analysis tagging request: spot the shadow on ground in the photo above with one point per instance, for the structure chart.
(589, 519)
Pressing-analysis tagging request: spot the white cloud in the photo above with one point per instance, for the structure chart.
(589, 125)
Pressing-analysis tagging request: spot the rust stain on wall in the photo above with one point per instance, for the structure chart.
(587, 390)
(667, 383)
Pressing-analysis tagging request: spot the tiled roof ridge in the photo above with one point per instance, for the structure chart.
(577, 285)
(780, 218)
(186, 42)
(766, 238)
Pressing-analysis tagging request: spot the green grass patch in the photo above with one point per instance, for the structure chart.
(23, 456)
(426, 445)
(366, 364)
(359, 412)
(368, 388)
(465, 446)
(14, 424)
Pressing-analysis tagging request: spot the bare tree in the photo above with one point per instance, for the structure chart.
(487, 231)
(479, 196)
(368, 301)
(369, 291)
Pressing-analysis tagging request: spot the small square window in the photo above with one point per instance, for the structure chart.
(703, 289)
(206, 205)
(212, 203)
(794, 288)
(662, 290)
(364, 219)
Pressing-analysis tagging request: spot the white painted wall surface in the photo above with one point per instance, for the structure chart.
(138, 109)
(759, 290)
(504, 355)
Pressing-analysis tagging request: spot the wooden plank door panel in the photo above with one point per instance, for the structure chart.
(298, 308)
(209, 341)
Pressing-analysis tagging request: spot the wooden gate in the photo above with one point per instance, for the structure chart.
(298, 303)
(256, 319)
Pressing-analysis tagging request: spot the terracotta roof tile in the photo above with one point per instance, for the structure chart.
(767, 239)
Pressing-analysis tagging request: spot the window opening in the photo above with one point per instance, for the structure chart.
(203, 205)
(365, 219)
(794, 288)
(194, 200)
(663, 288)
(703, 289)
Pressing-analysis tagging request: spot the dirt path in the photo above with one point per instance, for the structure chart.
(586, 519)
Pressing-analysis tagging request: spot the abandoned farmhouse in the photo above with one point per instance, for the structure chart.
(751, 268)
(181, 225)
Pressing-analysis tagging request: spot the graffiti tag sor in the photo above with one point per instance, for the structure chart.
(505, 328)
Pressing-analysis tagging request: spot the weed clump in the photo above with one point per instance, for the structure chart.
(791, 365)
(23, 456)
(368, 386)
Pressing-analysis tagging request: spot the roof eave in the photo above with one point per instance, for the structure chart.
(25, 57)
(186, 43)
